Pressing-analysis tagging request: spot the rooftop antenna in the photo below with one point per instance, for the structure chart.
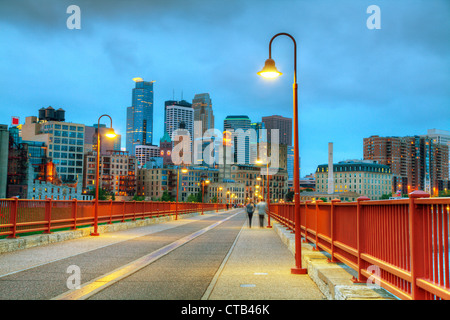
(181, 94)
(173, 94)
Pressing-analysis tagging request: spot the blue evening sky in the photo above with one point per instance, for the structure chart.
(353, 82)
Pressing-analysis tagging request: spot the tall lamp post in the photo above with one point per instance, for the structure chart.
(217, 198)
(204, 182)
(270, 71)
(183, 170)
(110, 134)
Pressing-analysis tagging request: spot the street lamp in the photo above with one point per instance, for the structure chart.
(270, 71)
(109, 134)
(204, 182)
(217, 198)
(183, 170)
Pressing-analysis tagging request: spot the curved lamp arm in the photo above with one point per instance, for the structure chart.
(295, 51)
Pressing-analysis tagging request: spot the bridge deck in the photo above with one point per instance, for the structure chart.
(210, 257)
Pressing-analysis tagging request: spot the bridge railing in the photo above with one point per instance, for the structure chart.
(30, 216)
(406, 242)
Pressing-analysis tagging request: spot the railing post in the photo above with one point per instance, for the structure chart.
(74, 213)
(48, 214)
(123, 210)
(110, 211)
(359, 243)
(416, 236)
(306, 221)
(316, 247)
(13, 210)
(332, 260)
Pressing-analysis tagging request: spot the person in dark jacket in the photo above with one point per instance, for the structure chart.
(250, 209)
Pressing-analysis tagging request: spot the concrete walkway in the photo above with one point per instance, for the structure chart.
(259, 268)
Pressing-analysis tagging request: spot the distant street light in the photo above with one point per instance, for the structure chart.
(270, 71)
(109, 134)
(203, 183)
(183, 170)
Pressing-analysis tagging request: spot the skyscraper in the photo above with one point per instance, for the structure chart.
(417, 163)
(203, 112)
(241, 147)
(177, 112)
(140, 115)
(284, 125)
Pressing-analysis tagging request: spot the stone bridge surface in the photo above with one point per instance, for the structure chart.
(215, 256)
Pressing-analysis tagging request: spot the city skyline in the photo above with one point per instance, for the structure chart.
(353, 82)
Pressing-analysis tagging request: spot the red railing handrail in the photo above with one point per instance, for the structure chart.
(21, 216)
(407, 239)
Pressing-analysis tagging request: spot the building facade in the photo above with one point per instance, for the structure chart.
(152, 182)
(117, 174)
(64, 142)
(240, 143)
(283, 125)
(203, 113)
(416, 162)
(107, 144)
(144, 153)
(366, 178)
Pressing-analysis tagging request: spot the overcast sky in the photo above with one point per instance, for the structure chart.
(354, 82)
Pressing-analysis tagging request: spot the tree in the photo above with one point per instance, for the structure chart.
(289, 196)
(385, 196)
(138, 198)
(102, 194)
(167, 197)
(195, 197)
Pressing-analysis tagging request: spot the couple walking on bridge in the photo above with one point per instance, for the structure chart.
(261, 210)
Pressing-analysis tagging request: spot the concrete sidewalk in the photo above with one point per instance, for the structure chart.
(259, 268)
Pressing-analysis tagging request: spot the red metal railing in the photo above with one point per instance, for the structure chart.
(26, 216)
(407, 240)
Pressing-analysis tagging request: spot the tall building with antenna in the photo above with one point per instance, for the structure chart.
(203, 112)
(140, 116)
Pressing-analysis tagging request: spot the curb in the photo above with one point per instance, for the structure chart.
(333, 279)
(25, 242)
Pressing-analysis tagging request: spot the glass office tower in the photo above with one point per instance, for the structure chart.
(140, 116)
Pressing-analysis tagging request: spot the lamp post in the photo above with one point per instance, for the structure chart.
(204, 182)
(217, 198)
(270, 71)
(110, 134)
(183, 170)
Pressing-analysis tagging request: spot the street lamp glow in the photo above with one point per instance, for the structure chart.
(110, 133)
(184, 170)
(269, 71)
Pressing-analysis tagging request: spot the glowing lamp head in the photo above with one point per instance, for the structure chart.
(184, 170)
(269, 71)
(110, 133)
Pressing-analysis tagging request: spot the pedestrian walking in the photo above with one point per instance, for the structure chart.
(261, 207)
(250, 209)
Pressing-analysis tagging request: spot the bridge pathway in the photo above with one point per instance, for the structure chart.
(210, 257)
